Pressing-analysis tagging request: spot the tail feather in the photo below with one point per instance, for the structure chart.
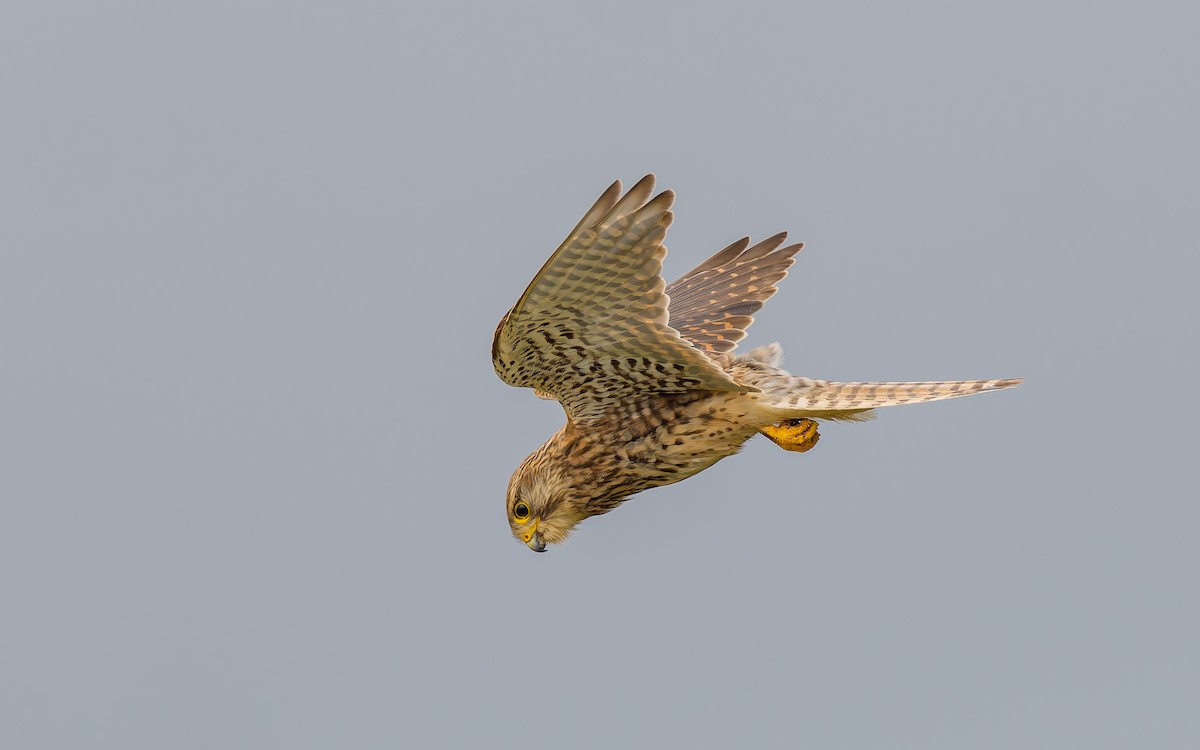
(852, 401)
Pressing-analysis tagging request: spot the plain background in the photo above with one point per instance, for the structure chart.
(254, 453)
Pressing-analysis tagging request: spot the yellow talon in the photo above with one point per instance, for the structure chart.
(798, 435)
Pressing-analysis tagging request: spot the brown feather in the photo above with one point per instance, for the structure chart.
(714, 303)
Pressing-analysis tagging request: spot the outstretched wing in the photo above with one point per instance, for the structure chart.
(714, 304)
(591, 329)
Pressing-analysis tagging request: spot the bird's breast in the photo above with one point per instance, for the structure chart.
(667, 438)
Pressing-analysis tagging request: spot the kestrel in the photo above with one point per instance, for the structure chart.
(645, 371)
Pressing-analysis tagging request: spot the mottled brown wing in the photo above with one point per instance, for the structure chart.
(714, 304)
(591, 330)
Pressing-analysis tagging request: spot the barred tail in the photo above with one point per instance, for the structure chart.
(854, 401)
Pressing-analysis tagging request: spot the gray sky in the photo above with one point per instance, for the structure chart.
(255, 454)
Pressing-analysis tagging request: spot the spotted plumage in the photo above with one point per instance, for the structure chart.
(645, 372)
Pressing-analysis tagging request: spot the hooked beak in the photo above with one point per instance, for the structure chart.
(536, 542)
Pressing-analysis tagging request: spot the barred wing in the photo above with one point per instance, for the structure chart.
(714, 304)
(591, 330)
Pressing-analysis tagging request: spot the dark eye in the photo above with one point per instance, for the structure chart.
(521, 511)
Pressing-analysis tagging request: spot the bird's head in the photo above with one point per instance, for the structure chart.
(542, 506)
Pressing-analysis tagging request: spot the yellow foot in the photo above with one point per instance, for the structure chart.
(797, 435)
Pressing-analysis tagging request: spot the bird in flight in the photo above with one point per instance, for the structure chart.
(646, 371)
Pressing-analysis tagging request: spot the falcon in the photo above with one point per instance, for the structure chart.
(647, 373)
